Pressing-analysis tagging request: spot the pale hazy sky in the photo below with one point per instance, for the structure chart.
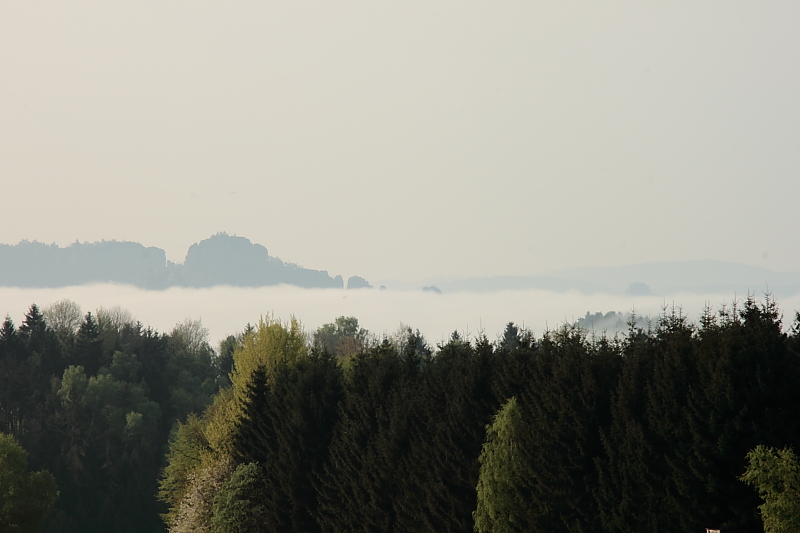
(407, 139)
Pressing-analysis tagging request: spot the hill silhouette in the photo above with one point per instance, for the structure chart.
(221, 259)
(654, 278)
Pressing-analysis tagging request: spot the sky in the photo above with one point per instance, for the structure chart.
(404, 140)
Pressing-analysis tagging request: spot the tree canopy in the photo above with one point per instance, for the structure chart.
(775, 474)
(25, 496)
(277, 431)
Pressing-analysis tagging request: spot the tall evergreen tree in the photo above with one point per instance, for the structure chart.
(625, 476)
(564, 407)
(12, 390)
(452, 403)
(88, 346)
(499, 508)
(286, 428)
(361, 482)
(747, 395)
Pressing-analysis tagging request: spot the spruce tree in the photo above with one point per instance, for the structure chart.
(12, 391)
(452, 404)
(499, 507)
(363, 478)
(88, 346)
(286, 429)
(565, 406)
(627, 472)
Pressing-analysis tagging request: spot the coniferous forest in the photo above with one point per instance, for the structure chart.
(671, 427)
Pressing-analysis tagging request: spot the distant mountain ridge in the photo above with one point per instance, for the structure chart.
(224, 259)
(221, 259)
(654, 278)
(697, 277)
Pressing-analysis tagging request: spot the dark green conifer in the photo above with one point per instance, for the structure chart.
(286, 430)
(564, 407)
(363, 477)
(452, 404)
(88, 347)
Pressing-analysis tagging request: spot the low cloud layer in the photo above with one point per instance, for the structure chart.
(226, 310)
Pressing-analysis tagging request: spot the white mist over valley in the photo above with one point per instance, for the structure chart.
(226, 310)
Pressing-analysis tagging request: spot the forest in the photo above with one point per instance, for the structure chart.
(672, 426)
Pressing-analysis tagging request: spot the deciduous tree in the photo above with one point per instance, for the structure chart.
(24, 497)
(775, 474)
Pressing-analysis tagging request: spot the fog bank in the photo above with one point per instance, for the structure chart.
(226, 310)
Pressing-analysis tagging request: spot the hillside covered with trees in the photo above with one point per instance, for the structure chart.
(672, 427)
(92, 401)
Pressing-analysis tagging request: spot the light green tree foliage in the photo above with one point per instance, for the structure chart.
(199, 459)
(239, 505)
(198, 464)
(194, 448)
(73, 386)
(194, 513)
(24, 497)
(775, 474)
(187, 448)
(499, 478)
(269, 344)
